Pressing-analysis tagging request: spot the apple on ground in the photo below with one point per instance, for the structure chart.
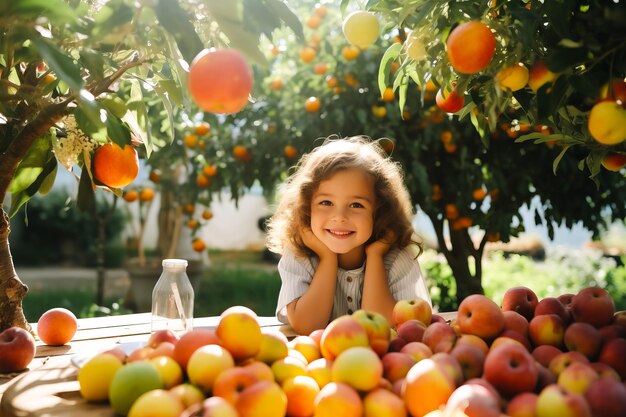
(439, 337)
(431, 377)
(480, 316)
(264, 398)
(382, 402)
(417, 308)
(473, 401)
(511, 369)
(606, 397)
(378, 329)
(593, 305)
(417, 350)
(396, 365)
(555, 400)
(522, 405)
(342, 333)
(301, 392)
(471, 359)
(547, 329)
(359, 367)
(584, 338)
(17, 349)
(577, 377)
(337, 399)
(520, 299)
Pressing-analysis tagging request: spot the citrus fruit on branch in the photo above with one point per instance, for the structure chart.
(115, 167)
(220, 81)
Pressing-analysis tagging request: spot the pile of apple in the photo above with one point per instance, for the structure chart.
(562, 356)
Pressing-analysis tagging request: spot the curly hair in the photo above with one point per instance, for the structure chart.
(393, 211)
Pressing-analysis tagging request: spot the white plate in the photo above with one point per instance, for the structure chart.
(79, 359)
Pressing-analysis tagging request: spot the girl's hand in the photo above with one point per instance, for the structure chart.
(381, 246)
(313, 243)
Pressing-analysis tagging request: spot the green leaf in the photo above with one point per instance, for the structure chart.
(48, 181)
(31, 165)
(116, 131)
(62, 64)
(177, 22)
(19, 198)
(86, 198)
(384, 69)
(555, 164)
(58, 10)
(114, 105)
(281, 10)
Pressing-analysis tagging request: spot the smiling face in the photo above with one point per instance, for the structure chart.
(342, 214)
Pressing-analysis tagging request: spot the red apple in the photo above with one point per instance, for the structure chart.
(337, 399)
(551, 305)
(262, 398)
(396, 365)
(612, 331)
(565, 359)
(474, 341)
(620, 318)
(160, 336)
(516, 322)
(522, 405)
(439, 337)
(522, 300)
(342, 333)
(511, 369)
(17, 349)
(577, 377)
(471, 359)
(547, 329)
(613, 353)
(604, 371)
(480, 316)
(382, 402)
(545, 353)
(606, 398)
(593, 305)
(412, 330)
(512, 334)
(417, 350)
(450, 365)
(544, 377)
(396, 344)
(584, 338)
(232, 381)
(427, 376)
(416, 308)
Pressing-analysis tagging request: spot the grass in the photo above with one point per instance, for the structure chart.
(234, 278)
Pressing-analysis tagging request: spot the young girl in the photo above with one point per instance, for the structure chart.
(343, 227)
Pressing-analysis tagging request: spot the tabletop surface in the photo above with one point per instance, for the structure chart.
(49, 386)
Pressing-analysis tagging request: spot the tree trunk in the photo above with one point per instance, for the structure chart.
(459, 251)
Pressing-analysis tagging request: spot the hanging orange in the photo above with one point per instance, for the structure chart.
(471, 46)
(114, 166)
(220, 80)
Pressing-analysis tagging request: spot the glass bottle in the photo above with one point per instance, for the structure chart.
(172, 298)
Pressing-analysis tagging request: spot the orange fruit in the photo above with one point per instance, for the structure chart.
(241, 153)
(614, 162)
(350, 52)
(276, 84)
(331, 81)
(451, 211)
(379, 111)
(436, 192)
(493, 237)
(450, 101)
(146, 194)
(351, 80)
(388, 94)
(514, 77)
(313, 21)
(539, 75)
(57, 326)
(210, 170)
(114, 166)
(471, 46)
(307, 54)
(189, 208)
(190, 140)
(290, 151)
(450, 147)
(387, 145)
(155, 176)
(320, 10)
(198, 245)
(479, 194)
(320, 68)
(461, 223)
(312, 104)
(446, 136)
(192, 223)
(203, 128)
(202, 181)
(131, 195)
(607, 123)
(207, 214)
(220, 80)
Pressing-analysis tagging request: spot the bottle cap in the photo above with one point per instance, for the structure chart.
(174, 263)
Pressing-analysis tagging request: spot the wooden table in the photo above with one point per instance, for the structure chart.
(50, 388)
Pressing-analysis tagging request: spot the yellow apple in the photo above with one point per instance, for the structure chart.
(383, 403)
(263, 398)
(337, 399)
(206, 363)
(156, 403)
(342, 333)
(378, 329)
(416, 308)
(170, 371)
(240, 332)
(360, 367)
(301, 392)
(273, 347)
(607, 123)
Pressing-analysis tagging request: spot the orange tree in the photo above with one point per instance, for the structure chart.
(464, 181)
(75, 75)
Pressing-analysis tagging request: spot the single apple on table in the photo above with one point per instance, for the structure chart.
(554, 400)
(520, 299)
(480, 316)
(17, 349)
